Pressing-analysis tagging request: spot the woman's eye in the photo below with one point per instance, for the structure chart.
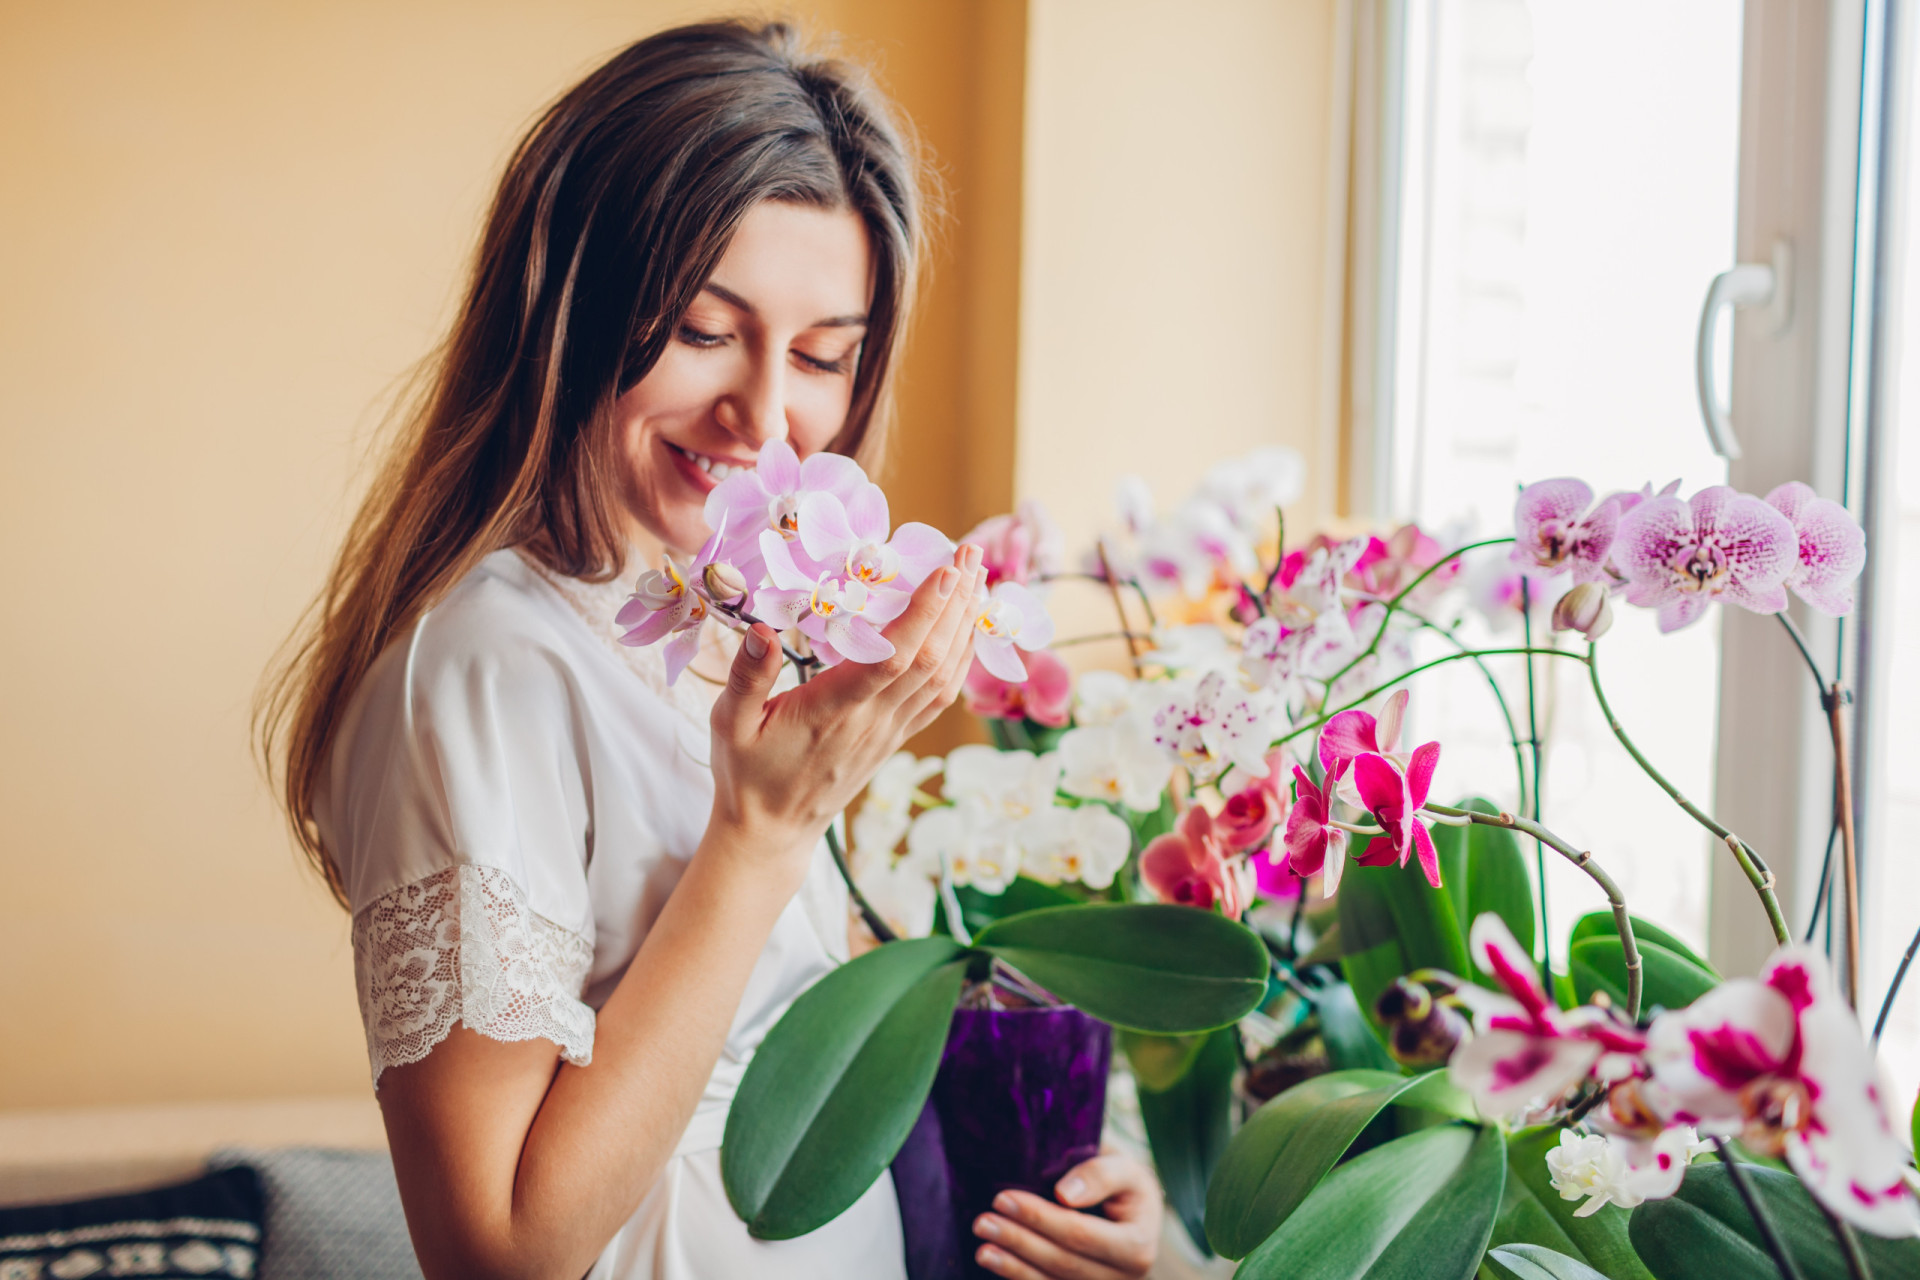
(839, 364)
(699, 337)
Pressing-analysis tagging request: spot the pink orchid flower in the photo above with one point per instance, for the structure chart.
(1315, 846)
(1524, 1050)
(1390, 565)
(841, 615)
(1254, 808)
(670, 601)
(1394, 796)
(1045, 698)
(1832, 547)
(849, 539)
(1553, 528)
(1273, 876)
(1780, 1060)
(1005, 620)
(1211, 725)
(1679, 557)
(1019, 546)
(769, 497)
(1189, 866)
(1355, 733)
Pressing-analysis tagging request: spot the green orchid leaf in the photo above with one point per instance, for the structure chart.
(836, 1086)
(1497, 878)
(1534, 1213)
(1600, 924)
(1148, 966)
(1671, 981)
(1159, 1062)
(1419, 1208)
(1381, 905)
(1531, 1262)
(1350, 1038)
(1284, 1150)
(1024, 894)
(1705, 1230)
(1188, 1125)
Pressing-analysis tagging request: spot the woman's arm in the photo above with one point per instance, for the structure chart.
(509, 1166)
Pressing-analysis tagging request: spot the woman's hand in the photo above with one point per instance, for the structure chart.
(783, 767)
(1029, 1238)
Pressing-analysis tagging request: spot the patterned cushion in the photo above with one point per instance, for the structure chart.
(331, 1215)
(208, 1227)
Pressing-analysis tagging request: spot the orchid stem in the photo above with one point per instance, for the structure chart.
(1357, 828)
(1373, 647)
(1800, 643)
(1119, 607)
(1857, 1267)
(1404, 676)
(1755, 870)
(1532, 799)
(1849, 863)
(1096, 637)
(1781, 1258)
(1582, 859)
(1899, 976)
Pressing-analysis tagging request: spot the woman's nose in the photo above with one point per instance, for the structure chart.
(756, 410)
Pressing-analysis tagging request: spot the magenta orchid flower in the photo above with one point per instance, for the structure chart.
(671, 601)
(849, 539)
(1832, 547)
(1780, 1060)
(1005, 620)
(1679, 557)
(841, 615)
(1355, 733)
(1557, 526)
(1211, 725)
(1525, 1050)
(1254, 806)
(1190, 866)
(1389, 565)
(1315, 845)
(769, 497)
(1394, 796)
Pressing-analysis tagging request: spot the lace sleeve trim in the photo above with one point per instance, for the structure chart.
(462, 945)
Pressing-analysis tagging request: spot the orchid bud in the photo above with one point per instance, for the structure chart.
(1422, 1031)
(1584, 609)
(725, 584)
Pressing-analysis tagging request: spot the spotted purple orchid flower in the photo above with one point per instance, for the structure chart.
(1832, 548)
(1525, 1050)
(1211, 725)
(1556, 526)
(1720, 545)
(1781, 1062)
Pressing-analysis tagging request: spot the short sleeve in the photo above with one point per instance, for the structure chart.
(457, 809)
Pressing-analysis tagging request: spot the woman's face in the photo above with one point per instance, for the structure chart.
(766, 352)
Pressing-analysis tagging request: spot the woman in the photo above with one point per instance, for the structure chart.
(580, 897)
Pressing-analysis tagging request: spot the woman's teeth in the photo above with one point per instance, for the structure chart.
(712, 466)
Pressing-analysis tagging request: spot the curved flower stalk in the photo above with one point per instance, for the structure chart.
(1781, 1062)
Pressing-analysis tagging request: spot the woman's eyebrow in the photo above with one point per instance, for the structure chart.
(852, 320)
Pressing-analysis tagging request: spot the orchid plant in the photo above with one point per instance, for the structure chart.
(1415, 1092)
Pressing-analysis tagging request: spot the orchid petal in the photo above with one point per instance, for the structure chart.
(857, 640)
(1349, 734)
(781, 610)
(1429, 856)
(781, 569)
(825, 533)
(1420, 769)
(867, 514)
(922, 549)
(1675, 614)
(680, 651)
(1036, 626)
(1392, 717)
(778, 467)
(1497, 952)
(999, 657)
(739, 501)
(1335, 864)
(632, 612)
(1507, 1070)
(1383, 789)
(884, 604)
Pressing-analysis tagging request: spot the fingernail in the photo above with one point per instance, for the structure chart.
(945, 581)
(990, 1257)
(755, 644)
(1071, 1189)
(986, 1227)
(1005, 1203)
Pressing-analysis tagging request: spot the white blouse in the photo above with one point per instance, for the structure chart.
(511, 799)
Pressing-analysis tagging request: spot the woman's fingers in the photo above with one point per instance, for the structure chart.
(738, 710)
(1110, 1178)
(1125, 1240)
(943, 646)
(939, 693)
(1040, 1249)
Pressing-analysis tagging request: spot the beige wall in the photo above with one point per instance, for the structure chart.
(1174, 247)
(227, 229)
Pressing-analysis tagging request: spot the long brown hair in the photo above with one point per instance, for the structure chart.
(612, 213)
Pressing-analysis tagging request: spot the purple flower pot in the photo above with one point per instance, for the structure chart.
(1019, 1100)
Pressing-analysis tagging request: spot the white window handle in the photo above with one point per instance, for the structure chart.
(1750, 284)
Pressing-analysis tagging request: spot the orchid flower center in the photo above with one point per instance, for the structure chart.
(1701, 568)
(659, 588)
(1555, 541)
(873, 563)
(831, 598)
(1775, 1107)
(785, 517)
(998, 620)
